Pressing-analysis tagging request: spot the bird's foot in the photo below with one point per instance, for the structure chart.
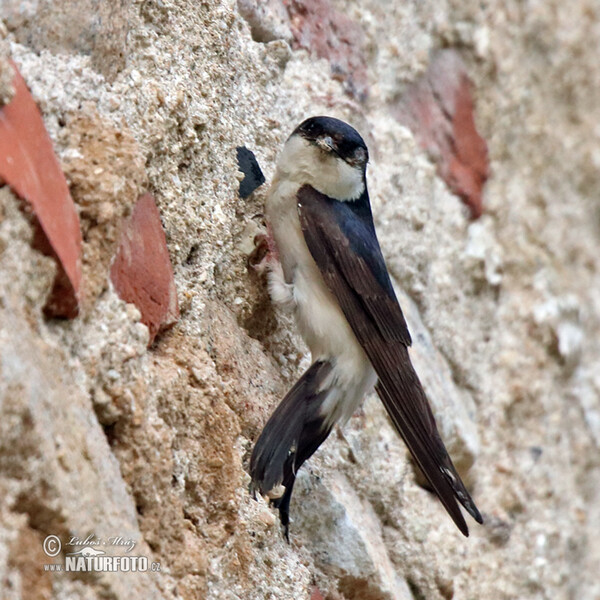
(264, 253)
(259, 257)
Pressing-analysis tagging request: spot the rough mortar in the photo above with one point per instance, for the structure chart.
(99, 434)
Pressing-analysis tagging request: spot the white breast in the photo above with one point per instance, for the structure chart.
(320, 320)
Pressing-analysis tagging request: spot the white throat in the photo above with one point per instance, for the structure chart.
(302, 162)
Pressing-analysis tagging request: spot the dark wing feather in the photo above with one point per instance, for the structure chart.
(357, 257)
(341, 238)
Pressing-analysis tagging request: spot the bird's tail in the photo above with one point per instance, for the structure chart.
(291, 436)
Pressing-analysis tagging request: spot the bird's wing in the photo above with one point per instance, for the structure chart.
(341, 239)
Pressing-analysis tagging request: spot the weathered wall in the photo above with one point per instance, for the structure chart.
(99, 434)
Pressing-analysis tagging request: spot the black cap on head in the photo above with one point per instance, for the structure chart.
(347, 142)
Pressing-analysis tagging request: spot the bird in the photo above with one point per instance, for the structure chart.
(325, 265)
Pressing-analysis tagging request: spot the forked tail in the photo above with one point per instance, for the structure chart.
(291, 436)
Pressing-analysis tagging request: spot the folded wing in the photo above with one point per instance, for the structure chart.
(341, 239)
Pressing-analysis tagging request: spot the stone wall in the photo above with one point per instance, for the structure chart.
(481, 119)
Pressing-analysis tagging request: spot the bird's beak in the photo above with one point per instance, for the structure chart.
(325, 143)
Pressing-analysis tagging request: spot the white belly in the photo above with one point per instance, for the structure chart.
(320, 320)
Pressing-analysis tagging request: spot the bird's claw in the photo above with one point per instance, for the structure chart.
(259, 257)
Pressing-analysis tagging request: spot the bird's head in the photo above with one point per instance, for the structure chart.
(334, 137)
(328, 154)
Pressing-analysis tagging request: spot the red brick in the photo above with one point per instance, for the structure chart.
(316, 594)
(141, 272)
(29, 166)
(439, 110)
(318, 27)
